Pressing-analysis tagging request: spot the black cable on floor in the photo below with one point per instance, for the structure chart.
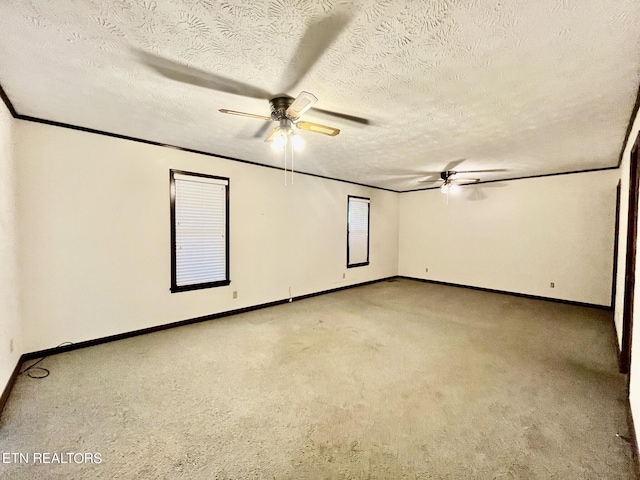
(33, 368)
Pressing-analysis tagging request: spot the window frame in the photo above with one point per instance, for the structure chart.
(361, 264)
(196, 286)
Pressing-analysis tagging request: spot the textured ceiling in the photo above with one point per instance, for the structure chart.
(528, 86)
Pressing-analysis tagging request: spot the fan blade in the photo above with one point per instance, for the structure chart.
(243, 114)
(318, 37)
(261, 131)
(344, 116)
(490, 170)
(453, 164)
(273, 133)
(193, 76)
(317, 128)
(464, 181)
(301, 104)
(430, 181)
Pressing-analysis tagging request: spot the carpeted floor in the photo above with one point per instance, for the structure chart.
(395, 380)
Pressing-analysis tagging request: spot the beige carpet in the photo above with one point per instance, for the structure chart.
(395, 380)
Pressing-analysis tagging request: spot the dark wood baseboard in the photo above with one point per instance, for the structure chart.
(112, 338)
(514, 294)
(346, 287)
(166, 326)
(144, 331)
(97, 341)
(10, 384)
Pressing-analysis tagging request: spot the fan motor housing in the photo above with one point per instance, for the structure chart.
(279, 105)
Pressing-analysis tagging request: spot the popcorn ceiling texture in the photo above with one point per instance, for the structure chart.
(531, 86)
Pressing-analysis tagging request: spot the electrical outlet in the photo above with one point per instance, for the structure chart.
(552, 285)
(235, 294)
(426, 270)
(344, 275)
(11, 346)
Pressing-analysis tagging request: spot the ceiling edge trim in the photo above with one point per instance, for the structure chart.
(8, 103)
(175, 147)
(634, 113)
(522, 178)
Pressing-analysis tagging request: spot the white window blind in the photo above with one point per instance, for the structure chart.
(358, 231)
(200, 230)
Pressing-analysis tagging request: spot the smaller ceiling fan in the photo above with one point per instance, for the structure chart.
(448, 176)
(448, 181)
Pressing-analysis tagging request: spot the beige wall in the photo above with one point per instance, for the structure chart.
(517, 236)
(95, 235)
(10, 326)
(94, 244)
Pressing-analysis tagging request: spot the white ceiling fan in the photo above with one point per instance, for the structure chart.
(449, 180)
(448, 183)
(318, 37)
(285, 110)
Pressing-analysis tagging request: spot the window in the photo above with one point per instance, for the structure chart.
(357, 232)
(199, 231)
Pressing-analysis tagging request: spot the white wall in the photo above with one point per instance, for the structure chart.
(94, 235)
(516, 236)
(10, 326)
(94, 247)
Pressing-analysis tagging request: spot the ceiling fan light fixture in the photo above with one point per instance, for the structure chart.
(449, 187)
(284, 135)
(279, 140)
(297, 141)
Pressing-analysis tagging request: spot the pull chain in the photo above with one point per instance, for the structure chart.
(288, 157)
(291, 147)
